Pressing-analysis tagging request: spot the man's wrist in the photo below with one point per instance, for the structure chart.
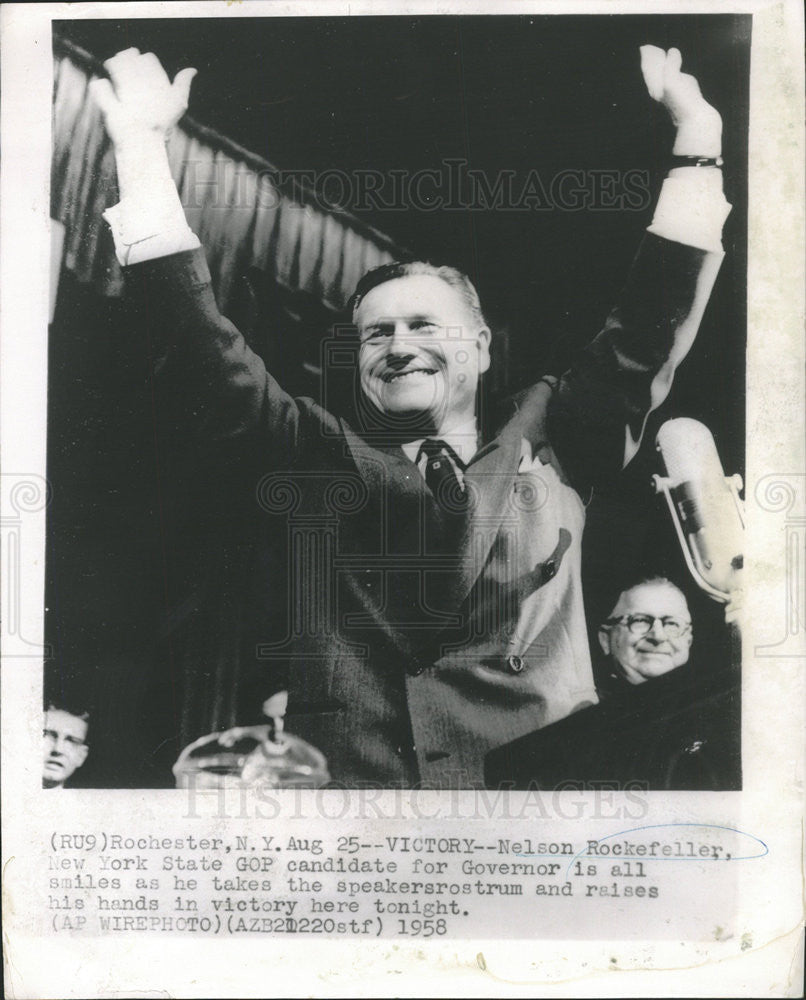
(144, 173)
(139, 143)
(701, 136)
(684, 171)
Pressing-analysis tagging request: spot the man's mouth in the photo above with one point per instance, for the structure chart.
(408, 373)
(55, 763)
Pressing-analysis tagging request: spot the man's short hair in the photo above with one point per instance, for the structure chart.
(79, 711)
(405, 268)
(649, 581)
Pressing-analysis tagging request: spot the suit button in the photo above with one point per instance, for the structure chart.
(550, 569)
(515, 663)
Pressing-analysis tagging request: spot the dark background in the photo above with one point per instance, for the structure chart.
(504, 93)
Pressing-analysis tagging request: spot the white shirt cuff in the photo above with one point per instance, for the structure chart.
(145, 233)
(692, 209)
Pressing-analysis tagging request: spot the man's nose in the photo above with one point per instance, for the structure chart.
(400, 342)
(657, 632)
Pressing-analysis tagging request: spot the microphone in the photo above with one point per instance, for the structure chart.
(706, 510)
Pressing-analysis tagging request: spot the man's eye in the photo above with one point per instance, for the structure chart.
(423, 325)
(73, 740)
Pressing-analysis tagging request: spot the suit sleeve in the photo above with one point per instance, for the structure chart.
(599, 410)
(212, 391)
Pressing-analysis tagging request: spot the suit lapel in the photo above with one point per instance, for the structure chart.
(489, 478)
(378, 465)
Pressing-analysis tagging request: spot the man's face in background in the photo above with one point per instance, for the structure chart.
(640, 657)
(421, 353)
(65, 748)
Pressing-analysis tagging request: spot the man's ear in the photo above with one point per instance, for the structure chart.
(484, 338)
(604, 640)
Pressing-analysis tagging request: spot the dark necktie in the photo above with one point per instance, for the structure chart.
(441, 477)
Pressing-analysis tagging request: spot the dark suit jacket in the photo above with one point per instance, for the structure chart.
(677, 732)
(417, 641)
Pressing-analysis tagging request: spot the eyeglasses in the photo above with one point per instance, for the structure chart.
(642, 624)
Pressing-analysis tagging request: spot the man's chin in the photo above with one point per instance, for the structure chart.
(405, 413)
(420, 395)
(655, 664)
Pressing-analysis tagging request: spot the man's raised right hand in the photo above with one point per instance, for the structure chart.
(138, 101)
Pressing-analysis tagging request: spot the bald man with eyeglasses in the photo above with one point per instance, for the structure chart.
(662, 722)
(648, 633)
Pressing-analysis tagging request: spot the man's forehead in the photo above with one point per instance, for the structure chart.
(65, 722)
(410, 296)
(657, 598)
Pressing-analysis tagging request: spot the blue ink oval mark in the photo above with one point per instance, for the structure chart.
(665, 826)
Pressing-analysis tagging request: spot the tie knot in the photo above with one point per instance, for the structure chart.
(435, 447)
(432, 447)
(442, 477)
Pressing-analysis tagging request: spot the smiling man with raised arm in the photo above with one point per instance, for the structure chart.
(447, 600)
